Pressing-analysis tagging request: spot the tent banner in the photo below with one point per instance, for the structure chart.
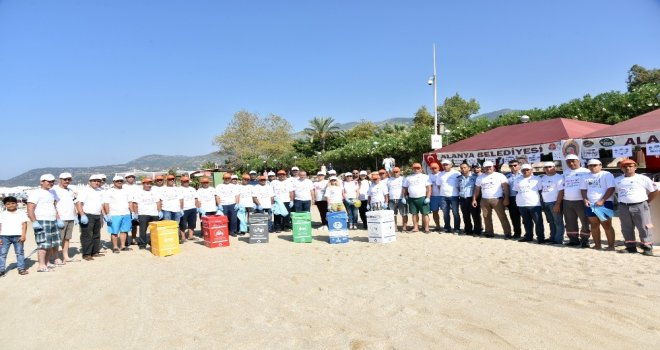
(520, 152)
(640, 139)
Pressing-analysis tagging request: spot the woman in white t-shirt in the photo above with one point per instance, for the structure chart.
(320, 202)
(334, 194)
(351, 193)
(529, 203)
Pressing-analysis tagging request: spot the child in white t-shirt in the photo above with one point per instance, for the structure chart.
(13, 230)
(334, 194)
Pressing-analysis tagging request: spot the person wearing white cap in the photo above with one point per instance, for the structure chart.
(447, 183)
(132, 188)
(271, 177)
(527, 189)
(351, 193)
(514, 212)
(635, 192)
(89, 206)
(363, 190)
(552, 185)
(42, 211)
(67, 210)
(294, 175)
(597, 191)
(228, 196)
(146, 203)
(283, 190)
(117, 213)
(397, 203)
(493, 187)
(253, 181)
(334, 194)
(572, 204)
(321, 203)
(417, 191)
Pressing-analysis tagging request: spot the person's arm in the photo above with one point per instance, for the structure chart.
(30, 211)
(505, 190)
(159, 205)
(428, 191)
(23, 232)
(560, 197)
(608, 194)
(475, 195)
(584, 198)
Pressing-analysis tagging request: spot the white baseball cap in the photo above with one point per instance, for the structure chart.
(234, 176)
(333, 177)
(488, 163)
(349, 174)
(445, 161)
(65, 175)
(94, 177)
(526, 166)
(117, 178)
(270, 173)
(331, 172)
(594, 162)
(129, 175)
(47, 177)
(252, 172)
(363, 172)
(294, 168)
(102, 176)
(549, 164)
(320, 173)
(572, 157)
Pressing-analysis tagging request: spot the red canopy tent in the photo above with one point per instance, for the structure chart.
(516, 140)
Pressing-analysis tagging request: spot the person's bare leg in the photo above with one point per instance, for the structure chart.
(65, 250)
(425, 222)
(122, 239)
(191, 233)
(416, 222)
(436, 219)
(41, 255)
(404, 220)
(595, 232)
(609, 233)
(113, 238)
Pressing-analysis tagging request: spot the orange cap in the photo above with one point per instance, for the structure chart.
(204, 180)
(246, 177)
(184, 178)
(147, 179)
(159, 177)
(226, 176)
(171, 177)
(435, 166)
(627, 162)
(417, 166)
(396, 169)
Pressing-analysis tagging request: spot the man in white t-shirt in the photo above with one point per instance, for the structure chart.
(597, 191)
(527, 188)
(228, 196)
(188, 221)
(117, 214)
(634, 192)
(245, 200)
(207, 201)
(552, 185)
(447, 184)
(303, 193)
(89, 206)
(436, 198)
(573, 205)
(283, 190)
(172, 200)
(67, 210)
(397, 202)
(42, 211)
(146, 203)
(378, 194)
(132, 187)
(417, 192)
(264, 197)
(494, 190)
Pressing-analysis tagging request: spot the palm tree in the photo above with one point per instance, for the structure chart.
(321, 128)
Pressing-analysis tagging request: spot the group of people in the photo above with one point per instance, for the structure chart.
(578, 202)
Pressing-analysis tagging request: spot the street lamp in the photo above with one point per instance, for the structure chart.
(446, 132)
(524, 118)
(433, 82)
(375, 143)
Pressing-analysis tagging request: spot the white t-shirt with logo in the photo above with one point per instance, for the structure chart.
(282, 190)
(447, 181)
(435, 190)
(491, 185)
(395, 187)
(44, 201)
(227, 193)
(171, 197)
(245, 196)
(597, 184)
(633, 189)
(319, 187)
(118, 200)
(206, 198)
(351, 189)
(147, 202)
(573, 183)
(334, 194)
(92, 200)
(189, 195)
(302, 190)
(377, 192)
(65, 203)
(264, 194)
(11, 222)
(528, 191)
(364, 189)
(416, 185)
(550, 187)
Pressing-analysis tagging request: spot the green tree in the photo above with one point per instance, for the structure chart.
(363, 130)
(250, 139)
(208, 165)
(638, 76)
(455, 110)
(423, 117)
(321, 128)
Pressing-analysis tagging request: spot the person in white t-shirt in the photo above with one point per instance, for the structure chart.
(228, 196)
(188, 221)
(147, 204)
(573, 205)
(436, 198)
(321, 203)
(283, 190)
(207, 201)
(67, 210)
(172, 200)
(351, 194)
(42, 211)
(388, 164)
(397, 201)
(117, 214)
(363, 190)
(597, 191)
(494, 190)
(245, 200)
(89, 206)
(635, 192)
(264, 197)
(447, 184)
(378, 194)
(552, 185)
(528, 200)
(13, 230)
(417, 192)
(303, 193)
(132, 187)
(334, 195)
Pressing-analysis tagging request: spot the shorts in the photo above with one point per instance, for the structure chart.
(398, 207)
(47, 237)
(417, 205)
(333, 207)
(67, 231)
(590, 213)
(435, 203)
(120, 223)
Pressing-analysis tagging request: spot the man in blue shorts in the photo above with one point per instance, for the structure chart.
(117, 213)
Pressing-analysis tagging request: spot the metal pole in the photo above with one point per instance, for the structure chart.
(435, 97)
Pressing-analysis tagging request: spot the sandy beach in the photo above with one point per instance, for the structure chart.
(424, 291)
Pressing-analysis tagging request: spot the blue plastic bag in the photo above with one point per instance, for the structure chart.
(602, 213)
(241, 214)
(279, 208)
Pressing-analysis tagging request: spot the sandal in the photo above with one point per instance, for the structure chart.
(115, 250)
(44, 269)
(23, 272)
(50, 266)
(126, 249)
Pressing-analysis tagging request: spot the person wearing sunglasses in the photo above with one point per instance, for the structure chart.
(67, 210)
(264, 197)
(147, 204)
(417, 192)
(492, 191)
(598, 191)
(363, 190)
(572, 203)
(283, 191)
(527, 189)
(89, 207)
(42, 211)
(117, 214)
(514, 212)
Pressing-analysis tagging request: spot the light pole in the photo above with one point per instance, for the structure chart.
(433, 81)
(524, 118)
(375, 143)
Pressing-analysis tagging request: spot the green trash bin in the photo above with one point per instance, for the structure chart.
(302, 227)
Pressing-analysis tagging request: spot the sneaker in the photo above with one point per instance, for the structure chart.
(525, 239)
(507, 237)
(628, 250)
(2, 274)
(489, 235)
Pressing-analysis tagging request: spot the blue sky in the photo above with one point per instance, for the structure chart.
(103, 82)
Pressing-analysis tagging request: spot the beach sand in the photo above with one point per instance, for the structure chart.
(424, 291)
